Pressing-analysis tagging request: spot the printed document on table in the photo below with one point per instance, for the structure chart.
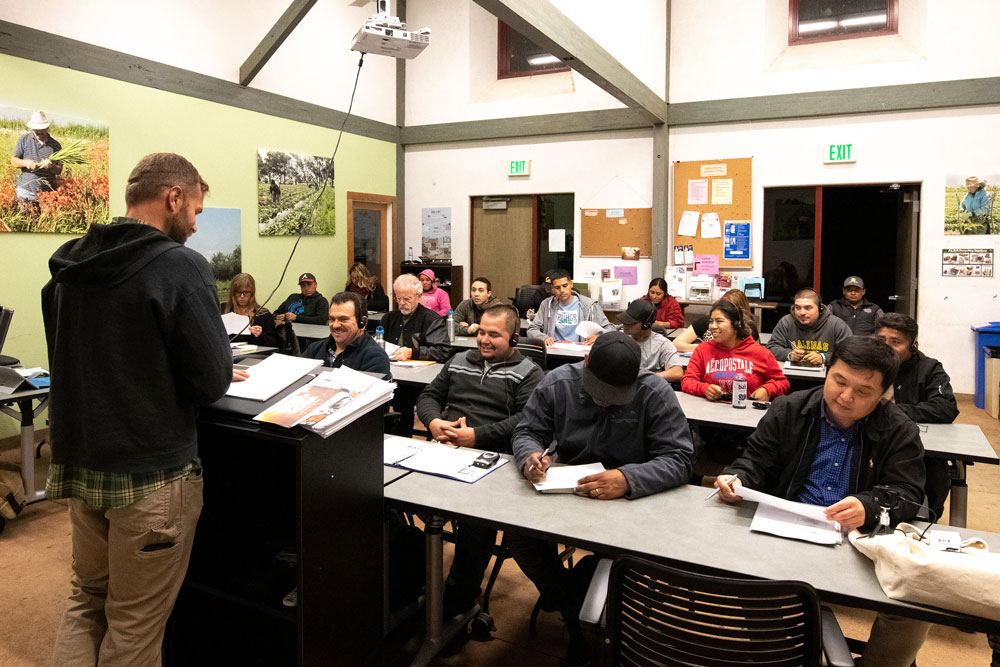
(450, 462)
(396, 449)
(235, 324)
(689, 224)
(788, 518)
(271, 376)
(563, 479)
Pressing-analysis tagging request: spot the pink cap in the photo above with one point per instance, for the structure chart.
(428, 273)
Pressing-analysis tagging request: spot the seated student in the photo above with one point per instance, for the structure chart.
(432, 296)
(857, 312)
(658, 354)
(243, 301)
(923, 392)
(558, 315)
(348, 345)
(361, 281)
(808, 335)
(830, 446)
(668, 311)
(603, 409)
(714, 363)
(306, 307)
(469, 312)
(475, 401)
(699, 330)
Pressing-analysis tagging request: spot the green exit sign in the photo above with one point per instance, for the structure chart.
(520, 168)
(837, 153)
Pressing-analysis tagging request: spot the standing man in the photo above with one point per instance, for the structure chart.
(475, 401)
(923, 392)
(31, 154)
(603, 409)
(807, 335)
(658, 354)
(559, 315)
(132, 323)
(470, 311)
(857, 312)
(307, 307)
(831, 446)
(348, 345)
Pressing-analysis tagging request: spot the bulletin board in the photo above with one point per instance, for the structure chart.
(604, 231)
(721, 187)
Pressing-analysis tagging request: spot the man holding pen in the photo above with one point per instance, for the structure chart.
(605, 410)
(830, 446)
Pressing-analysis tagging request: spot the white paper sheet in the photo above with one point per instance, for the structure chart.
(396, 449)
(711, 228)
(390, 348)
(588, 328)
(688, 254)
(447, 461)
(689, 224)
(797, 367)
(271, 376)
(235, 324)
(801, 509)
(770, 519)
(563, 479)
(557, 240)
(697, 191)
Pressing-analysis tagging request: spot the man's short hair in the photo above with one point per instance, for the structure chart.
(808, 293)
(865, 353)
(485, 281)
(407, 282)
(360, 304)
(558, 274)
(161, 170)
(902, 323)
(511, 318)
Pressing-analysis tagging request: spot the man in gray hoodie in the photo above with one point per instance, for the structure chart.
(808, 335)
(559, 315)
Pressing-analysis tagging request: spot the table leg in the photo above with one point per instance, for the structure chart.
(28, 452)
(959, 497)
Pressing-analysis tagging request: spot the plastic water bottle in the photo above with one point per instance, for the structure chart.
(451, 326)
(739, 391)
(409, 255)
(380, 336)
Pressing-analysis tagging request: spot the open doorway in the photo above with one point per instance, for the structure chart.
(817, 236)
(368, 218)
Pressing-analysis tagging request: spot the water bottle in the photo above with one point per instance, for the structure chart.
(409, 255)
(739, 391)
(451, 326)
(380, 336)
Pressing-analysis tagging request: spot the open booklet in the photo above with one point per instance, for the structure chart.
(329, 402)
(435, 459)
(788, 518)
(563, 479)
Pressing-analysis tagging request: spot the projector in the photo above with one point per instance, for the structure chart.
(386, 35)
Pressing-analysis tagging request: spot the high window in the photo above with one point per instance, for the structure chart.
(811, 21)
(519, 56)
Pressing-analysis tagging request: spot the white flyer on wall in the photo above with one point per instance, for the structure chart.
(435, 230)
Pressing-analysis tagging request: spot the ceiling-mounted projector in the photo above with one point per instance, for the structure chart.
(385, 35)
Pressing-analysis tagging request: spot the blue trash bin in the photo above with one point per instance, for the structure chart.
(987, 335)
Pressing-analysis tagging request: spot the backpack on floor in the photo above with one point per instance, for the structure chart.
(11, 491)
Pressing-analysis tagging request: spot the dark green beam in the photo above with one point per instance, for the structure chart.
(274, 39)
(525, 126)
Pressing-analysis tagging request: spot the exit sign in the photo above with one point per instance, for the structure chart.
(837, 153)
(519, 168)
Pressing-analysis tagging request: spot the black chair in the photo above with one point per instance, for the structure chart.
(659, 615)
(534, 349)
(528, 297)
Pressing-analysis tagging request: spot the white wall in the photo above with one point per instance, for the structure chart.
(315, 64)
(920, 147)
(600, 170)
(455, 78)
(740, 49)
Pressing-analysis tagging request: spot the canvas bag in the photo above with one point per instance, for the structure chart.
(910, 570)
(11, 490)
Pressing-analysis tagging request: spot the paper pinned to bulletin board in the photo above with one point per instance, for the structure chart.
(716, 193)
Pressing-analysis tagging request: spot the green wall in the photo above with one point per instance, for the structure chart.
(221, 141)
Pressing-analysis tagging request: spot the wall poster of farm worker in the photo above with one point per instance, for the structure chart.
(295, 194)
(970, 205)
(55, 178)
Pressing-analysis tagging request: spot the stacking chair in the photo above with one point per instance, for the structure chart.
(534, 349)
(659, 615)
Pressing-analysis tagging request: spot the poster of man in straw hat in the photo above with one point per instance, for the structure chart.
(970, 205)
(49, 184)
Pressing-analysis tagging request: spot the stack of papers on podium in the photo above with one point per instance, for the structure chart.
(271, 376)
(788, 518)
(330, 402)
(435, 459)
(563, 479)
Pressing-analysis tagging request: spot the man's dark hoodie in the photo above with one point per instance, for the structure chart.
(821, 336)
(135, 345)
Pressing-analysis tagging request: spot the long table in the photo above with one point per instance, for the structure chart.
(671, 526)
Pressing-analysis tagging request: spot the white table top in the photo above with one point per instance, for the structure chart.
(419, 375)
(700, 409)
(963, 441)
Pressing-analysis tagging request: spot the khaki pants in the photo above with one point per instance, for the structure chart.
(894, 641)
(128, 566)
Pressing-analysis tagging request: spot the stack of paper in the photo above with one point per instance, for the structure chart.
(436, 459)
(235, 324)
(788, 518)
(271, 376)
(330, 402)
(563, 479)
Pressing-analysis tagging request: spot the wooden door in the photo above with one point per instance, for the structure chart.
(368, 234)
(503, 245)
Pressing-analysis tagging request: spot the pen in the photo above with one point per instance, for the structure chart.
(548, 452)
(729, 482)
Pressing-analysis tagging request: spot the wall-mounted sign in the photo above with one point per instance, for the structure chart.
(519, 168)
(839, 153)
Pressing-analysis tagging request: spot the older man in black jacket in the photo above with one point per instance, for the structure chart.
(831, 446)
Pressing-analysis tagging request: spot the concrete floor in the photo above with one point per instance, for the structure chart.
(34, 580)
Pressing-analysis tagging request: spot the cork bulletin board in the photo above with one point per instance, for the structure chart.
(604, 231)
(708, 194)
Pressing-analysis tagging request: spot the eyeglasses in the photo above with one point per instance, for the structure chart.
(245, 292)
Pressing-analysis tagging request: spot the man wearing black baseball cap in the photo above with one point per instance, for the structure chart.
(604, 409)
(658, 354)
(307, 307)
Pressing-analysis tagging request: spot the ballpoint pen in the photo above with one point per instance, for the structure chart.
(548, 452)
(729, 482)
